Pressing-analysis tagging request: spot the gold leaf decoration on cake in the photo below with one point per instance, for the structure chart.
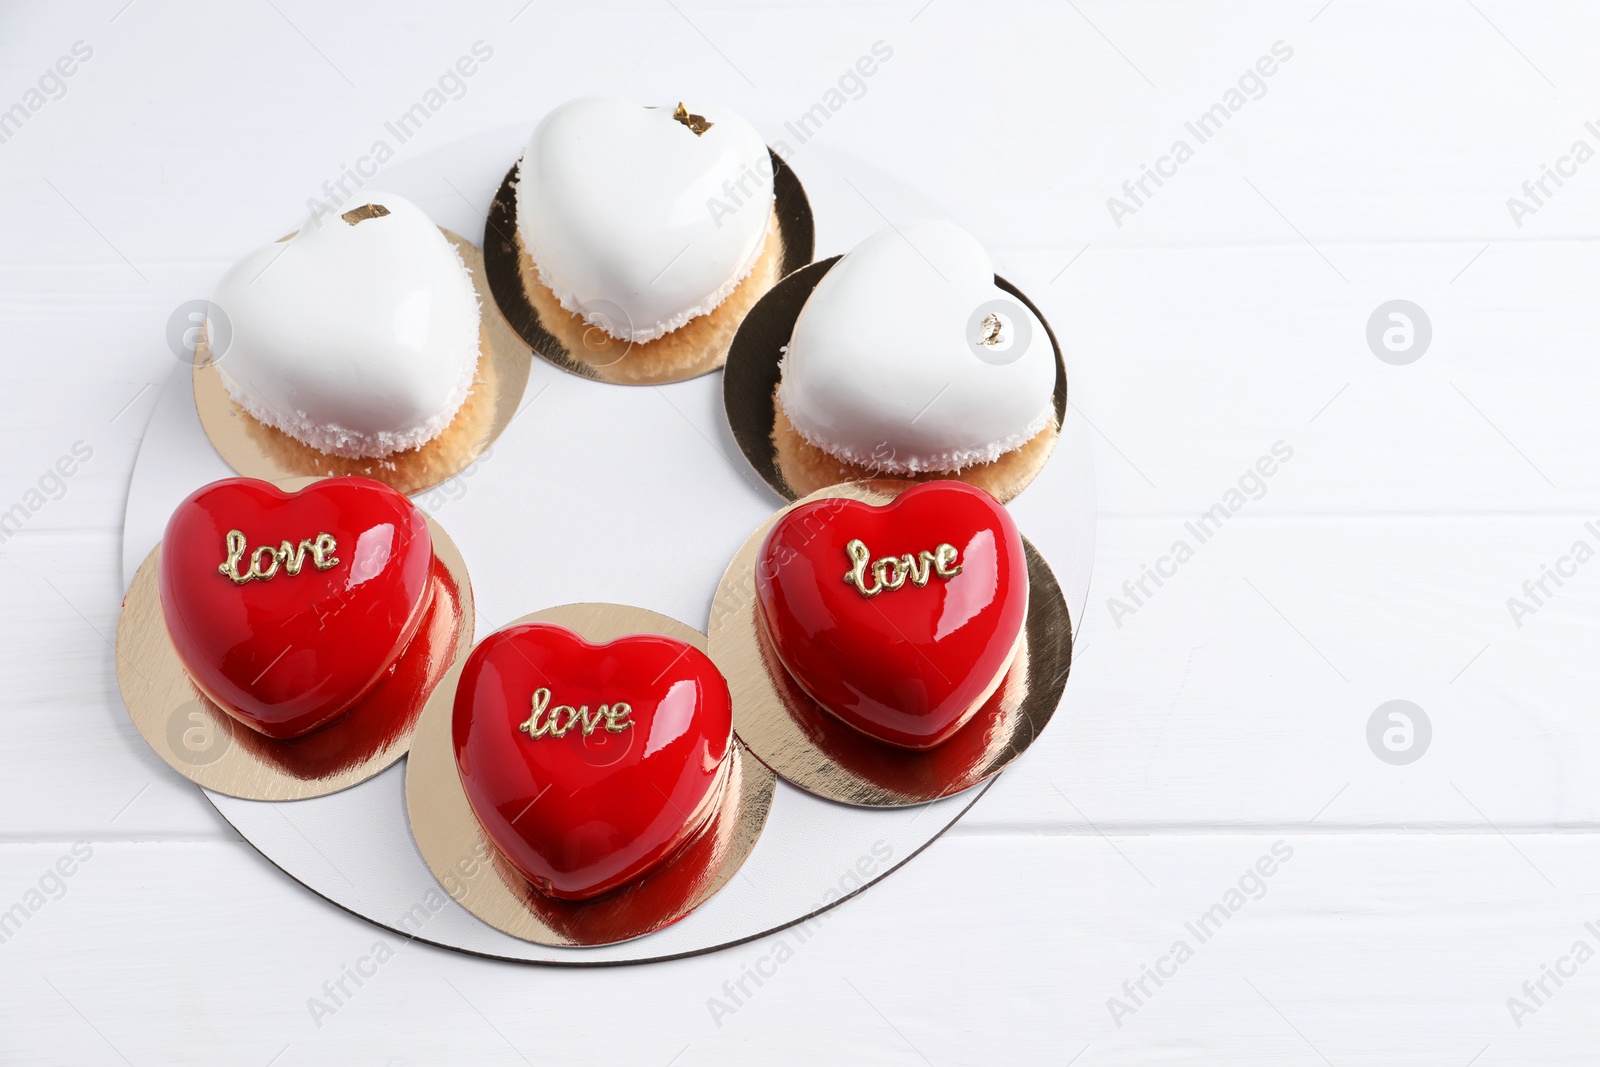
(991, 330)
(697, 123)
(364, 212)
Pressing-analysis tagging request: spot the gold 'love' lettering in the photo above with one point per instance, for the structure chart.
(265, 561)
(891, 572)
(546, 721)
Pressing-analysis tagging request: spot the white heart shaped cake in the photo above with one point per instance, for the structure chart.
(907, 358)
(359, 336)
(640, 219)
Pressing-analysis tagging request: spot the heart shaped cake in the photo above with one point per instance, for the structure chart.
(640, 219)
(359, 336)
(900, 620)
(908, 359)
(287, 608)
(587, 765)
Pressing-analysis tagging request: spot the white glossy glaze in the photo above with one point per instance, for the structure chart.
(880, 370)
(359, 340)
(636, 222)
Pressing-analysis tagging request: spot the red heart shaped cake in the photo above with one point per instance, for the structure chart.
(589, 765)
(287, 608)
(899, 620)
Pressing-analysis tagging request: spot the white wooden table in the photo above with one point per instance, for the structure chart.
(1216, 721)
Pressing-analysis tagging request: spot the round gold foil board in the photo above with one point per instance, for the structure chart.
(257, 450)
(699, 347)
(472, 871)
(808, 747)
(210, 748)
(750, 383)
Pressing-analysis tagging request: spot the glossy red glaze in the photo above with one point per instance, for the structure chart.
(578, 814)
(288, 653)
(910, 665)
